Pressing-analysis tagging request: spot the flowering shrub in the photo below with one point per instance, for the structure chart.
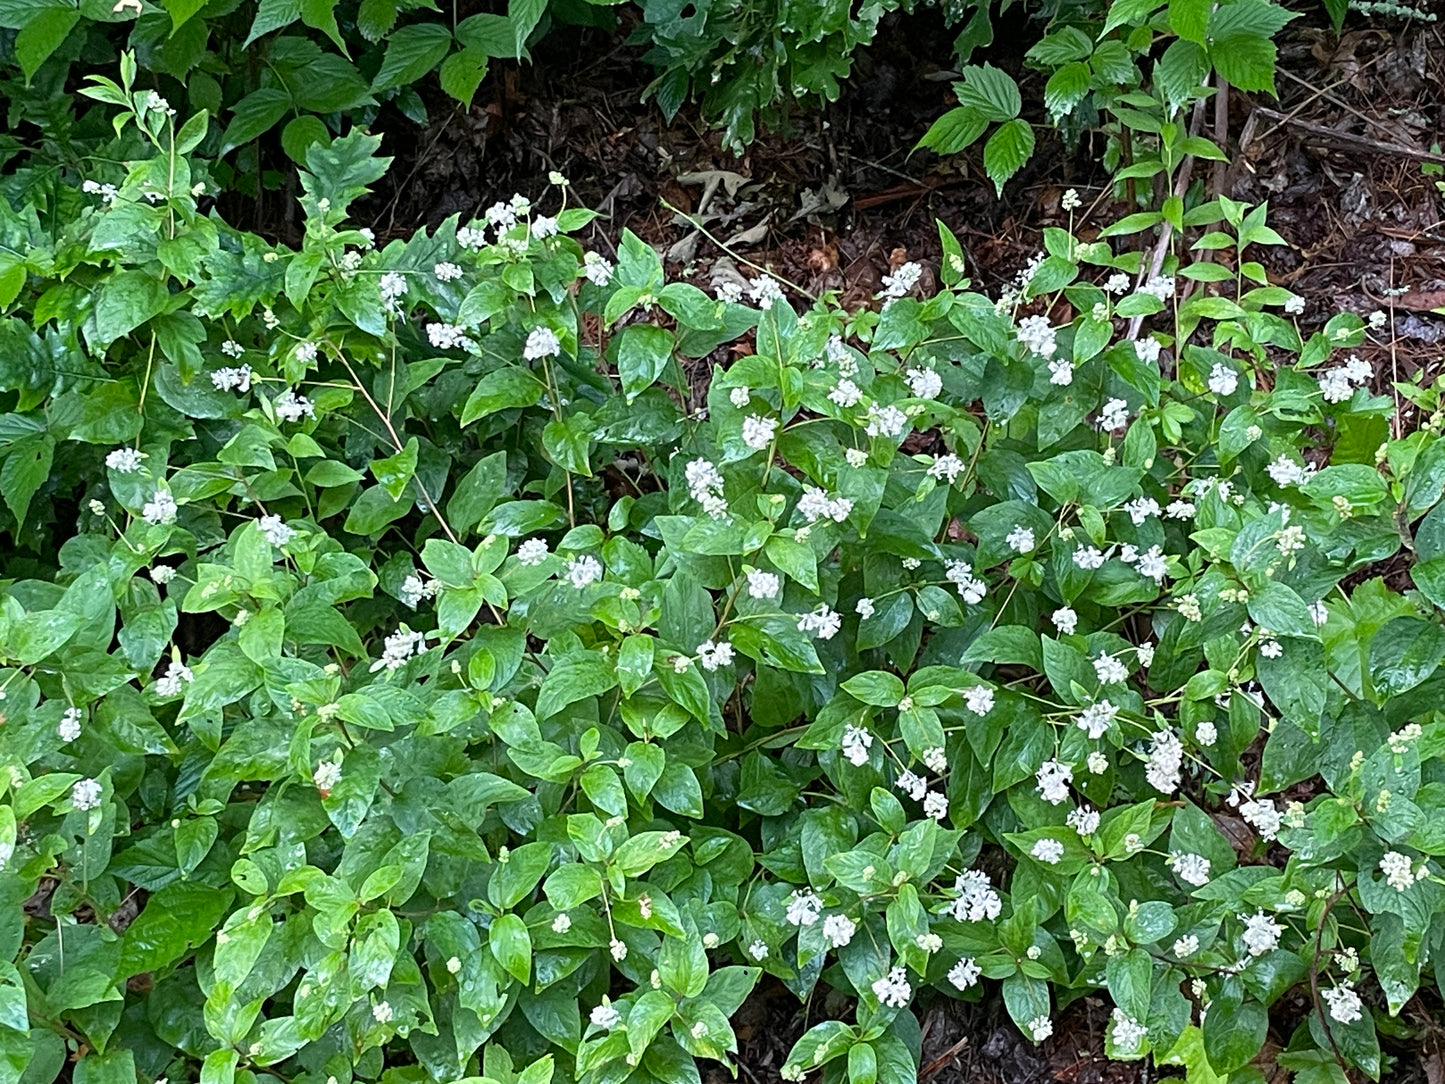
(405, 678)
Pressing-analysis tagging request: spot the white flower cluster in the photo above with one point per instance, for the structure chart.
(1338, 385)
(397, 648)
(705, 485)
(815, 504)
(970, 587)
(977, 900)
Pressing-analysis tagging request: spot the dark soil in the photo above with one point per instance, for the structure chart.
(834, 203)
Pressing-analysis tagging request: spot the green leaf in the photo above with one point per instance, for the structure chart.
(462, 74)
(25, 469)
(955, 130)
(41, 35)
(571, 680)
(875, 687)
(990, 93)
(1006, 151)
(176, 920)
(254, 115)
(642, 354)
(511, 946)
(411, 52)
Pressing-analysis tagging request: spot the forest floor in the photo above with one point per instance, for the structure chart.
(1348, 157)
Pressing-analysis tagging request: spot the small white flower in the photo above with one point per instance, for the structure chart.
(1110, 670)
(69, 728)
(1166, 762)
(542, 342)
(1114, 415)
(397, 648)
(763, 584)
(446, 336)
(1096, 719)
(1153, 564)
(970, 587)
(618, 949)
(291, 407)
(275, 530)
(902, 280)
(924, 383)
(1142, 508)
(605, 1017)
(740, 397)
(838, 930)
(1147, 349)
(597, 268)
(1097, 763)
(1294, 306)
(888, 421)
(711, 656)
(1084, 820)
(823, 622)
(583, 571)
(893, 990)
(929, 942)
(1345, 1005)
(176, 677)
(855, 745)
(764, 292)
(1117, 283)
(979, 699)
(1061, 372)
(1070, 200)
(1037, 335)
(1160, 286)
(544, 227)
(1186, 946)
(454, 965)
(1020, 539)
(946, 467)
(1053, 781)
(1286, 472)
(803, 908)
(1193, 868)
(562, 923)
(1223, 379)
(1180, 510)
(1397, 870)
(936, 760)
(977, 900)
(1261, 933)
(935, 805)
(1089, 558)
(965, 973)
(758, 431)
(124, 460)
(86, 795)
(532, 552)
(758, 950)
(915, 786)
(1049, 851)
(846, 394)
(1271, 649)
(865, 608)
(1128, 1032)
(1040, 1028)
(326, 776)
(1206, 734)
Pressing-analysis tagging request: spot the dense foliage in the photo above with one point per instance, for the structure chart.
(405, 679)
(305, 70)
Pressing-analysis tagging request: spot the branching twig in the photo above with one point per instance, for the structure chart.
(1155, 263)
(1315, 976)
